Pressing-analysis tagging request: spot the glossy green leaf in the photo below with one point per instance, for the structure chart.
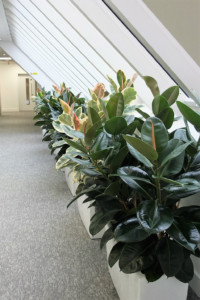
(83, 192)
(113, 188)
(153, 127)
(57, 126)
(185, 234)
(129, 95)
(38, 116)
(78, 112)
(91, 133)
(121, 78)
(142, 147)
(174, 182)
(104, 109)
(91, 172)
(39, 123)
(170, 256)
(141, 158)
(174, 165)
(182, 135)
(176, 152)
(167, 117)
(118, 159)
(130, 129)
(93, 115)
(171, 94)
(190, 214)
(115, 125)
(47, 138)
(142, 113)
(65, 119)
(93, 103)
(107, 236)
(187, 271)
(134, 256)
(44, 109)
(130, 231)
(94, 98)
(191, 174)
(132, 175)
(100, 142)
(190, 115)
(190, 187)
(100, 154)
(113, 84)
(115, 105)
(108, 203)
(100, 220)
(159, 104)
(152, 84)
(59, 144)
(71, 132)
(115, 254)
(61, 163)
(75, 145)
(154, 272)
(154, 217)
(83, 162)
(195, 162)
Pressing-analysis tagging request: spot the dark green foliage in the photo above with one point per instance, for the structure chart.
(134, 172)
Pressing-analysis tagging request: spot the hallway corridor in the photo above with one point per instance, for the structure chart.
(45, 253)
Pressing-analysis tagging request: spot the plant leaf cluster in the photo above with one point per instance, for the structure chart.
(51, 106)
(135, 171)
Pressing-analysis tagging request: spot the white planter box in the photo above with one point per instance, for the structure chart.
(195, 282)
(85, 212)
(70, 181)
(135, 286)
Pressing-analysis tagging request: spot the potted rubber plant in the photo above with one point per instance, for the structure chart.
(48, 107)
(168, 171)
(135, 183)
(96, 140)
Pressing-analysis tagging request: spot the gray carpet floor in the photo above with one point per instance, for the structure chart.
(45, 252)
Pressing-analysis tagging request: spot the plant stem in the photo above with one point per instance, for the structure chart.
(98, 168)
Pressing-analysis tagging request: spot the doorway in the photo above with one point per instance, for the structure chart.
(26, 89)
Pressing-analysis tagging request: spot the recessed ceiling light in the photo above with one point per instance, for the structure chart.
(4, 54)
(5, 58)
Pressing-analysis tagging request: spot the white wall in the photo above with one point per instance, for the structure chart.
(9, 86)
(181, 18)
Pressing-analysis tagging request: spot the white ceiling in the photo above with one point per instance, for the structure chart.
(4, 30)
(77, 42)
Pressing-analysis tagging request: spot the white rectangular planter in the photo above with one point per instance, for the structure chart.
(85, 212)
(135, 286)
(195, 282)
(70, 181)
